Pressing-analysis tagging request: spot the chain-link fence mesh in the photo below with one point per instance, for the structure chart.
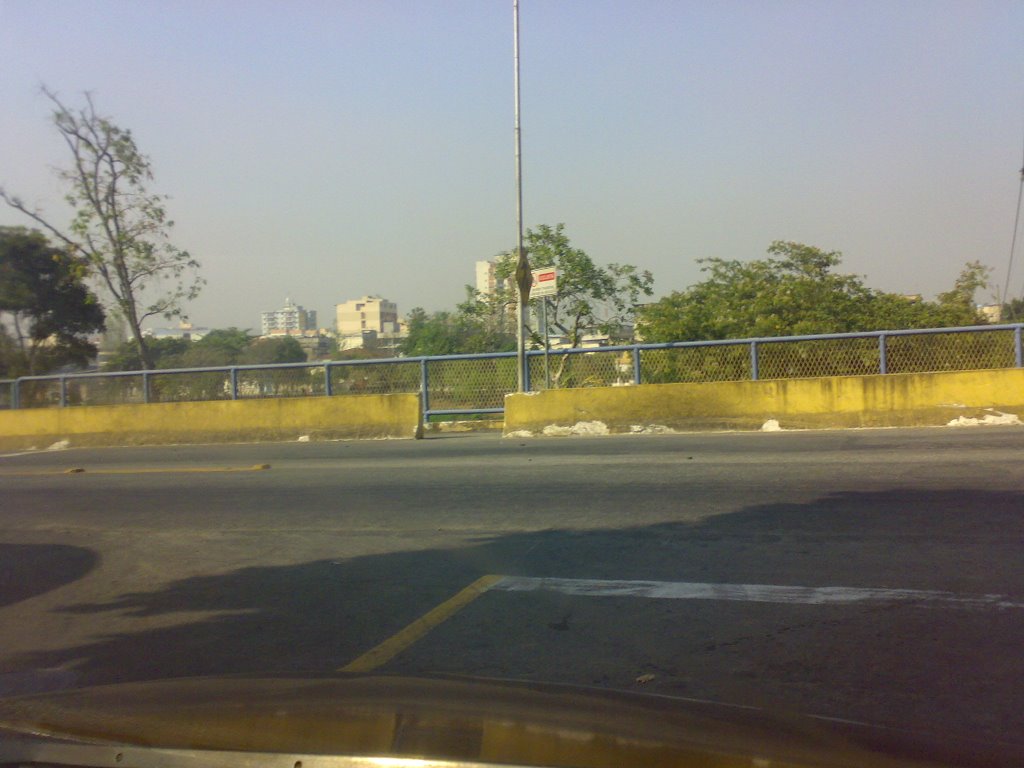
(922, 353)
(564, 370)
(304, 381)
(99, 390)
(466, 384)
(44, 393)
(480, 383)
(825, 357)
(375, 378)
(189, 387)
(722, 362)
(6, 394)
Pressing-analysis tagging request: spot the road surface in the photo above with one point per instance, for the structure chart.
(872, 575)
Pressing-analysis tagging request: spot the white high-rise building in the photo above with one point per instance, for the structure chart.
(290, 319)
(487, 282)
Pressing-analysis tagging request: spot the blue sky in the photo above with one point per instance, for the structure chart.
(326, 150)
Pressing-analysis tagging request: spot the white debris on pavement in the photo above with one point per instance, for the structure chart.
(772, 425)
(590, 428)
(579, 428)
(520, 433)
(989, 419)
(554, 430)
(651, 429)
(60, 445)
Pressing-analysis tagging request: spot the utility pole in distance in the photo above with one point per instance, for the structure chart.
(524, 278)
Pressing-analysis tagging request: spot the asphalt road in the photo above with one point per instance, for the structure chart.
(173, 561)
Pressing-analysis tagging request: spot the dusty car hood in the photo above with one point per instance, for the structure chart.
(442, 719)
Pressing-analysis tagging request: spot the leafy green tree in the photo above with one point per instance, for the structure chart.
(46, 310)
(120, 229)
(224, 346)
(275, 350)
(8, 351)
(1013, 311)
(472, 328)
(166, 353)
(487, 323)
(429, 334)
(796, 291)
(957, 306)
(218, 348)
(590, 297)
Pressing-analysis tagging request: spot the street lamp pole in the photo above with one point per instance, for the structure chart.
(524, 278)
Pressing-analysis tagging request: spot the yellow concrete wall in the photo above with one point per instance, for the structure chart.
(849, 401)
(321, 418)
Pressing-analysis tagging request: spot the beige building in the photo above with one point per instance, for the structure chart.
(993, 313)
(366, 322)
(370, 313)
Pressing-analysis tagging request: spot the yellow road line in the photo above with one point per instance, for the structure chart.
(136, 471)
(397, 643)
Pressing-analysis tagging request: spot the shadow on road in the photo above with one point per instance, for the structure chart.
(28, 570)
(945, 670)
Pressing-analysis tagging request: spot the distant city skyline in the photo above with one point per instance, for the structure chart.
(331, 150)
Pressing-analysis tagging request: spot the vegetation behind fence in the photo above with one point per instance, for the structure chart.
(478, 383)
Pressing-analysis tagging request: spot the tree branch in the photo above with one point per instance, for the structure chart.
(17, 204)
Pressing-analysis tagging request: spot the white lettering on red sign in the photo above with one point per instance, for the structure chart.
(545, 282)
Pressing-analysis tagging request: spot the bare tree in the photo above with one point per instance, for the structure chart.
(120, 229)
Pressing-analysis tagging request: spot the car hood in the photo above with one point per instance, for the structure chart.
(484, 722)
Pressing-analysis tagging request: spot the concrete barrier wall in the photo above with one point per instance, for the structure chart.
(321, 418)
(892, 400)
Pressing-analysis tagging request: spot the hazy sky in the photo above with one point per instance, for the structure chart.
(326, 150)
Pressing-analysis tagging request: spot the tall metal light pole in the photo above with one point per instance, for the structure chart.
(523, 276)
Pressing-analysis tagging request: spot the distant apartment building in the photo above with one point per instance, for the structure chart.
(369, 323)
(370, 313)
(290, 320)
(487, 281)
(993, 313)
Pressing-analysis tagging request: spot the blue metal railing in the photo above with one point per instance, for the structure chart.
(476, 383)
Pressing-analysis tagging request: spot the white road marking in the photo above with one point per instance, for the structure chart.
(754, 593)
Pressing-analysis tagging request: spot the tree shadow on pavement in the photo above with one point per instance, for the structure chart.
(29, 570)
(944, 670)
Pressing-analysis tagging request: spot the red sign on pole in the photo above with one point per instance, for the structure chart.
(545, 282)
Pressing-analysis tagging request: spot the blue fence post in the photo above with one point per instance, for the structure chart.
(883, 359)
(527, 387)
(425, 387)
(328, 387)
(15, 394)
(145, 386)
(636, 363)
(234, 383)
(753, 361)
(63, 391)
(1018, 346)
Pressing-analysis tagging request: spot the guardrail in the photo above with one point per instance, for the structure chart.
(476, 384)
